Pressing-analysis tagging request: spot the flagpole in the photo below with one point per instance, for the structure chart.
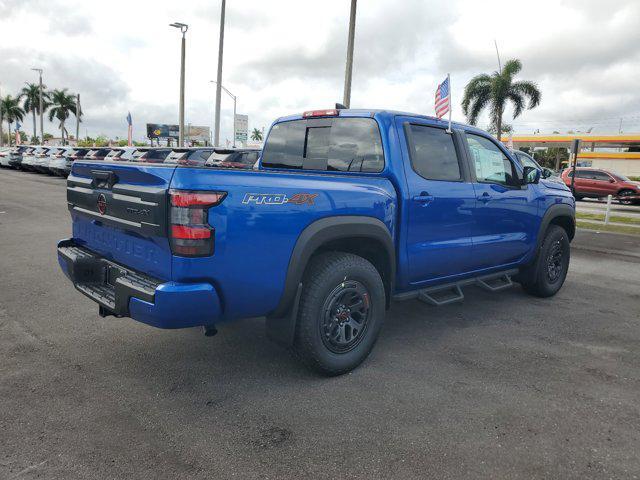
(450, 104)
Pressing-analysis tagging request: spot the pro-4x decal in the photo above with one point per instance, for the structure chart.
(279, 198)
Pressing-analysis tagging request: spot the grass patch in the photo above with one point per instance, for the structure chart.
(612, 218)
(635, 179)
(608, 228)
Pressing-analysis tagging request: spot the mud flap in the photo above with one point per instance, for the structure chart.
(282, 330)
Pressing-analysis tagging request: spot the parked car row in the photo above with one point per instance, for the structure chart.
(58, 160)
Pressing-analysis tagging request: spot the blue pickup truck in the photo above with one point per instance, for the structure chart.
(348, 211)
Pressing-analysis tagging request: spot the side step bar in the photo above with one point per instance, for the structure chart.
(439, 295)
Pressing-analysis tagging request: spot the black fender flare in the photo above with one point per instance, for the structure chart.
(555, 211)
(310, 240)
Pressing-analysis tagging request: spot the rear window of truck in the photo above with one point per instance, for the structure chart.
(331, 144)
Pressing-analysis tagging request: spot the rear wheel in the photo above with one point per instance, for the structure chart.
(546, 275)
(341, 312)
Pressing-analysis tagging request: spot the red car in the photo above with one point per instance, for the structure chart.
(596, 183)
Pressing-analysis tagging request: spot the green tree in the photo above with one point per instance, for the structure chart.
(495, 90)
(31, 95)
(11, 111)
(552, 157)
(506, 128)
(256, 135)
(62, 105)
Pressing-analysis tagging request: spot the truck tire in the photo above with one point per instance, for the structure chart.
(341, 311)
(545, 276)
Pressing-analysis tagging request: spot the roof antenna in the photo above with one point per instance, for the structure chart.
(498, 54)
(340, 106)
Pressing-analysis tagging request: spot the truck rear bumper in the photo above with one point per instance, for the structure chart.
(126, 293)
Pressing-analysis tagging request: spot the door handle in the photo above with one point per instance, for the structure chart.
(423, 198)
(485, 197)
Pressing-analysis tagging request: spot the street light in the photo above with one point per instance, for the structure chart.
(39, 70)
(235, 100)
(216, 140)
(349, 69)
(1, 120)
(183, 29)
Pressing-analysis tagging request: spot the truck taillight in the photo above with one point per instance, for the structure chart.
(189, 232)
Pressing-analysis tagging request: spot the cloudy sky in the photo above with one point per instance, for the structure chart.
(286, 56)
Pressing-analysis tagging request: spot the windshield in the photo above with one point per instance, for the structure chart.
(174, 156)
(157, 156)
(620, 177)
(527, 161)
(114, 153)
(218, 157)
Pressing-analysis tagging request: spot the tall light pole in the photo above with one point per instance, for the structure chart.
(349, 70)
(216, 140)
(1, 120)
(78, 114)
(235, 100)
(183, 29)
(40, 106)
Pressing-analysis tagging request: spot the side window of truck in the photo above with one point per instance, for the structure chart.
(327, 144)
(490, 164)
(433, 153)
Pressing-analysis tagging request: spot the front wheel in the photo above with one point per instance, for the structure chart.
(341, 312)
(546, 275)
(626, 193)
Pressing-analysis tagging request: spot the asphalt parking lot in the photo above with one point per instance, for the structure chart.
(500, 386)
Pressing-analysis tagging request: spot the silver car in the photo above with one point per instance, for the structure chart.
(29, 159)
(41, 163)
(58, 160)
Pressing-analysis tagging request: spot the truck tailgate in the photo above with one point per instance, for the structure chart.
(120, 212)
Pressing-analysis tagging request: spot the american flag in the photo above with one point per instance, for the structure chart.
(442, 98)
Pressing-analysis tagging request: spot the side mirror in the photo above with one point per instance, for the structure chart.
(531, 175)
(611, 180)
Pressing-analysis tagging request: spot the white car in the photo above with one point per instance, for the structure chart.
(29, 159)
(58, 160)
(41, 163)
(4, 156)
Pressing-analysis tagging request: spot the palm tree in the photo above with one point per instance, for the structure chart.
(31, 95)
(256, 135)
(62, 104)
(11, 110)
(494, 90)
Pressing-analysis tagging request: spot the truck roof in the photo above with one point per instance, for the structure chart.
(378, 112)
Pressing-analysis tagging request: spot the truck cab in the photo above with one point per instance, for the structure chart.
(348, 211)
